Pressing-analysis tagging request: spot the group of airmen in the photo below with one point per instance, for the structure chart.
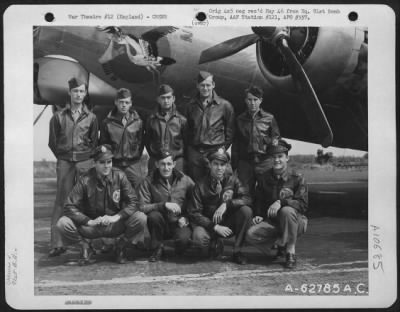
(193, 193)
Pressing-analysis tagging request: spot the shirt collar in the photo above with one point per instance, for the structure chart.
(176, 175)
(172, 112)
(130, 115)
(284, 176)
(78, 110)
(260, 113)
(214, 99)
(103, 179)
(214, 180)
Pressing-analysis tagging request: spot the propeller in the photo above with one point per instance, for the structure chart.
(278, 36)
(40, 115)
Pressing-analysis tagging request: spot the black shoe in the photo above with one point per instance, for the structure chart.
(290, 261)
(54, 252)
(86, 255)
(239, 258)
(120, 256)
(216, 248)
(157, 254)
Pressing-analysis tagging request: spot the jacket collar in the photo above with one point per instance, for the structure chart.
(160, 116)
(216, 99)
(261, 113)
(284, 176)
(133, 115)
(226, 176)
(83, 109)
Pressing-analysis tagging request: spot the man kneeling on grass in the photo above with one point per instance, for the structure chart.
(280, 204)
(219, 209)
(102, 204)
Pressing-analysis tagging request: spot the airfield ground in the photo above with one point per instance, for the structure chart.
(333, 251)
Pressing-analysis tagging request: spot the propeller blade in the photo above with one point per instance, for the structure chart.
(227, 48)
(40, 115)
(311, 105)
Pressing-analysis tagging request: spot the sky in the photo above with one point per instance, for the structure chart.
(42, 151)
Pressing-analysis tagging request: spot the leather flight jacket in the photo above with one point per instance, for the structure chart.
(166, 134)
(211, 125)
(127, 141)
(70, 140)
(93, 196)
(154, 192)
(253, 136)
(290, 188)
(206, 198)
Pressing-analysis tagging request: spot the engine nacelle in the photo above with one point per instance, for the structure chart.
(326, 53)
(51, 75)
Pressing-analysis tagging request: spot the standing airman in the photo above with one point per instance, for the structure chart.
(210, 125)
(123, 129)
(72, 139)
(166, 130)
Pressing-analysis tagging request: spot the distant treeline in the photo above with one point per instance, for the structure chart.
(333, 160)
(47, 169)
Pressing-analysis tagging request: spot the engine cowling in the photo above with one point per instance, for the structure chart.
(325, 53)
(51, 75)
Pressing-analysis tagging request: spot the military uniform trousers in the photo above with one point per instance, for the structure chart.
(248, 171)
(67, 174)
(238, 221)
(161, 228)
(134, 172)
(287, 227)
(133, 228)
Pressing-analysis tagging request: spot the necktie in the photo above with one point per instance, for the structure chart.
(169, 189)
(124, 121)
(218, 187)
(75, 115)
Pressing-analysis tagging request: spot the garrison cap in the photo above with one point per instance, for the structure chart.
(220, 154)
(102, 152)
(164, 89)
(75, 82)
(203, 75)
(282, 147)
(162, 154)
(255, 91)
(123, 93)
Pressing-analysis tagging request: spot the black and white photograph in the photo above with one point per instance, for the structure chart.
(231, 154)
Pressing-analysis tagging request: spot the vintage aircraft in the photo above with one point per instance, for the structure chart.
(292, 64)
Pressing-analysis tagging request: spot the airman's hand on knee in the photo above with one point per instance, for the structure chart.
(107, 220)
(273, 209)
(173, 207)
(95, 222)
(223, 231)
(218, 214)
(257, 219)
(182, 222)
